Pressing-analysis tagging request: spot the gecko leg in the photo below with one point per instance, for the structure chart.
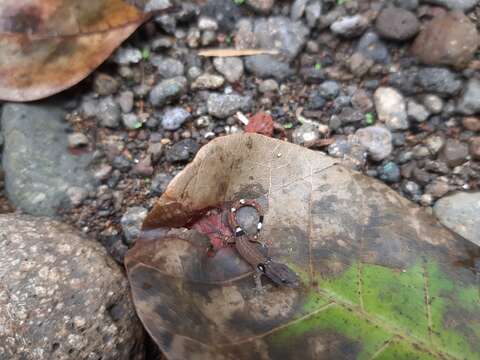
(257, 277)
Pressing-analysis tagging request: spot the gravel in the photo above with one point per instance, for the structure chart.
(391, 108)
(108, 113)
(223, 105)
(377, 140)
(168, 90)
(441, 81)
(469, 102)
(173, 118)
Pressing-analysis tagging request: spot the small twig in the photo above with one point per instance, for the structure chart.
(236, 52)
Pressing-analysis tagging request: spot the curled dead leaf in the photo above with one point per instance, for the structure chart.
(50, 45)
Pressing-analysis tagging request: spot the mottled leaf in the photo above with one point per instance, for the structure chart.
(381, 278)
(47, 46)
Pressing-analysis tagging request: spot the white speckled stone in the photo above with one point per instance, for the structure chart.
(62, 296)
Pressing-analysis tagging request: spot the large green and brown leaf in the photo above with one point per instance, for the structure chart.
(47, 46)
(381, 278)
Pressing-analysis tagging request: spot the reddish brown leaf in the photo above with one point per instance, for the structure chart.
(50, 45)
(260, 123)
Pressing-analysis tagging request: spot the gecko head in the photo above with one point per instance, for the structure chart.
(280, 274)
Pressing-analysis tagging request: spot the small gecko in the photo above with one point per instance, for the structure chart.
(246, 245)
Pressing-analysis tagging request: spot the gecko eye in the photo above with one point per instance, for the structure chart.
(261, 267)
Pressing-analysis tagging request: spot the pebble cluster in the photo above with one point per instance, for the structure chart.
(394, 85)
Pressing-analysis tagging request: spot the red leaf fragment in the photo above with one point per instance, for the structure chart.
(260, 123)
(215, 226)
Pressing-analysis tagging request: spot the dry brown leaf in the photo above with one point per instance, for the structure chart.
(236, 52)
(381, 278)
(47, 46)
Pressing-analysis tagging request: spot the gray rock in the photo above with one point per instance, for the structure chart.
(231, 68)
(361, 101)
(173, 119)
(412, 190)
(131, 121)
(194, 72)
(306, 134)
(377, 140)
(153, 5)
(38, 167)
(77, 195)
(389, 172)
(433, 103)
(103, 172)
(359, 65)
(404, 81)
(311, 8)
(352, 153)
(63, 297)
(469, 102)
(438, 188)
(128, 55)
(168, 67)
(371, 47)
(397, 24)
(420, 151)
(121, 163)
(459, 212)
(125, 100)
(349, 115)
(455, 152)
(434, 143)
(350, 26)
(182, 151)
(280, 33)
(105, 85)
(208, 37)
(391, 108)
(426, 200)
(313, 11)
(131, 222)
(160, 183)
(168, 90)
(298, 9)
(206, 23)
(438, 80)
(417, 111)
(208, 82)
(225, 12)
(268, 86)
(203, 121)
(76, 140)
(329, 89)
(223, 106)
(266, 66)
(464, 5)
(108, 113)
(315, 101)
(261, 6)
